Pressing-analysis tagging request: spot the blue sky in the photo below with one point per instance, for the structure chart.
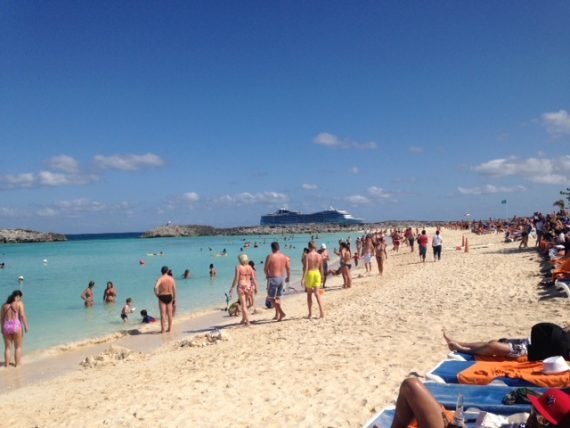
(121, 116)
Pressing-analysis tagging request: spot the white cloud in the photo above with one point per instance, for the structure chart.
(191, 197)
(557, 123)
(378, 193)
(8, 212)
(64, 163)
(535, 170)
(310, 186)
(332, 141)
(415, 150)
(80, 206)
(128, 162)
(489, 188)
(53, 179)
(358, 199)
(550, 179)
(247, 198)
(355, 170)
(17, 181)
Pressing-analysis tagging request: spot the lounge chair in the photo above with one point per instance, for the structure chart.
(510, 373)
(476, 398)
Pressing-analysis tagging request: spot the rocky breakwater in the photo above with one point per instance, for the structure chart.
(15, 236)
(195, 230)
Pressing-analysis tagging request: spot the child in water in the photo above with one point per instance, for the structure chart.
(127, 309)
(147, 319)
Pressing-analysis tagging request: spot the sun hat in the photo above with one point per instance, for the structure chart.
(554, 405)
(555, 365)
(324, 246)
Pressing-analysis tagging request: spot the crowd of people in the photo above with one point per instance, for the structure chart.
(416, 405)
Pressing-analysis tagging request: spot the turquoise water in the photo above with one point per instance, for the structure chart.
(52, 289)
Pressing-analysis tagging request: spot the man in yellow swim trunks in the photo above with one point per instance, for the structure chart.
(313, 278)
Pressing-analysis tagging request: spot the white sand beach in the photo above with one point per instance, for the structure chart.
(335, 372)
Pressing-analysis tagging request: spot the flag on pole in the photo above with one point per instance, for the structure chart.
(504, 201)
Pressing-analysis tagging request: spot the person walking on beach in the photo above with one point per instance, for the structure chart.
(313, 279)
(253, 288)
(243, 279)
(277, 269)
(437, 243)
(110, 294)
(165, 291)
(14, 322)
(423, 243)
(345, 264)
(325, 255)
(367, 250)
(381, 254)
(87, 295)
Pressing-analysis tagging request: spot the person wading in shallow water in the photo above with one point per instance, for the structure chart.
(165, 291)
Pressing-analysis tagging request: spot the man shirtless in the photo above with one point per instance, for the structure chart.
(165, 291)
(277, 268)
(313, 278)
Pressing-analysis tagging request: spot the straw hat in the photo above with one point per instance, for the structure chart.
(555, 365)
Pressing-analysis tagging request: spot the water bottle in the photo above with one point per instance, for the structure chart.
(459, 420)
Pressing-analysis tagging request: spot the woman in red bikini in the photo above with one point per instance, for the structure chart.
(13, 319)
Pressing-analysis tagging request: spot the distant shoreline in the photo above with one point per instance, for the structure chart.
(22, 236)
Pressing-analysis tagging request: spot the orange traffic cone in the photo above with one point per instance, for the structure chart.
(466, 245)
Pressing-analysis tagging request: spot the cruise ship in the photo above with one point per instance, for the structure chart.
(283, 217)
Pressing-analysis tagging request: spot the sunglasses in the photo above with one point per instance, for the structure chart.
(541, 420)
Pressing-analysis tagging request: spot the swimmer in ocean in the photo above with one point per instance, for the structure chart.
(87, 295)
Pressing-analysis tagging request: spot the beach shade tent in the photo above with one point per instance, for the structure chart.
(509, 373)
(482, 398)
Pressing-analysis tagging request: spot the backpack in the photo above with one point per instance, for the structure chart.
(548, 340)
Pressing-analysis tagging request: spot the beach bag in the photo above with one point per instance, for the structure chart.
(548, 340)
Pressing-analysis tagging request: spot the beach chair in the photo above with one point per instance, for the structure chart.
(475, 398)
(563, 270)
(448, 371)
(509, 373)
(563, 287)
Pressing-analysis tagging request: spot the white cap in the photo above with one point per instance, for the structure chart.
(324, 246)
(20, 278)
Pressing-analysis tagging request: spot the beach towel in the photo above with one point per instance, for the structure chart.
(448, 372)
(483, 373)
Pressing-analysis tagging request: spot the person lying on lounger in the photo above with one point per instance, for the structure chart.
(416, 404)
(502, 348)
(547, 340)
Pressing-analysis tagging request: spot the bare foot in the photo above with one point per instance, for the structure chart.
(451, 344)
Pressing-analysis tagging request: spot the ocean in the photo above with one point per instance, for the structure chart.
(55, 274)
